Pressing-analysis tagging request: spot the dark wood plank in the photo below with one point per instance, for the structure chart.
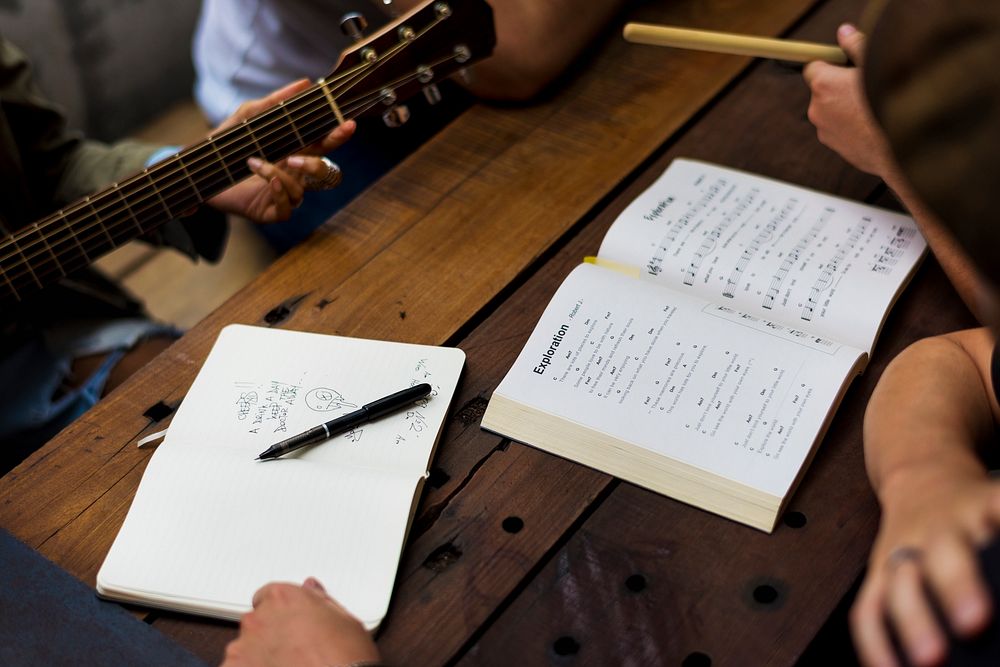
(648, 580)
(475, 208)
(465, 560)
(437, 239)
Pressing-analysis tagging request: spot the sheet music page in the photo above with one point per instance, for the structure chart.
(820, 263)
(260, 386)
(701, 383)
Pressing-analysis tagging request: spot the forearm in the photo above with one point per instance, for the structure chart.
(536, 41)
(93, 166)
(930, 411)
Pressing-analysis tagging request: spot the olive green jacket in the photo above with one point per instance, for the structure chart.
(44, 166)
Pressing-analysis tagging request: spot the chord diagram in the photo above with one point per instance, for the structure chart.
(756, 244)
(793, 256)
(903, 236)
(830, 269)
(708, 243)
(894, 249)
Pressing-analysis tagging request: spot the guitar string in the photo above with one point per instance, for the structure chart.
(60, 236)
(43, 270)
(47, 265)
(286, 141)
(274, 114)
(309, 129)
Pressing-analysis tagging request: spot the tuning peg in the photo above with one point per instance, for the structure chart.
(396, 116)
(432, 94)
(353, 24)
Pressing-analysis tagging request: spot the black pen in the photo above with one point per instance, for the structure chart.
(365, 413)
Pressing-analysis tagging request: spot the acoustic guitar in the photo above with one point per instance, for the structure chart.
(427, 44)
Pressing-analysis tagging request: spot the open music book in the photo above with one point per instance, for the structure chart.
(209, 524)
(704, 352)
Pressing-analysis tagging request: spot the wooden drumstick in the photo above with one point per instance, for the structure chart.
(741, 45)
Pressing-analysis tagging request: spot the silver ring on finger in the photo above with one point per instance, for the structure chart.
(328, 181)
(900, 555)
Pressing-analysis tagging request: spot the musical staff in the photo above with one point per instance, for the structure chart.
(751, 250)
(830, 269)
(793, 256)
(656, 261)
(711, 239)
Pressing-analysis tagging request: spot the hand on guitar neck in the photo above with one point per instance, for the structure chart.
(243, 167)
(275, 190)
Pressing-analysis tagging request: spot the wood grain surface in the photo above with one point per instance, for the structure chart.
(516, 555)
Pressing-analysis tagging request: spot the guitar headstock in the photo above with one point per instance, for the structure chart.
(425, 45)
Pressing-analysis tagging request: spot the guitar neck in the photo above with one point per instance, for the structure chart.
(71, 239)
(421, 47)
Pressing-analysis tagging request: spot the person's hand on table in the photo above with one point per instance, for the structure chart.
(925, 557)
(301, 626)
(838, 108)
(275, 190)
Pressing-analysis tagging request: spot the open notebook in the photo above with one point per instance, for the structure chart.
(209, 524)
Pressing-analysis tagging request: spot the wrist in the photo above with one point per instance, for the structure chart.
(905, 483)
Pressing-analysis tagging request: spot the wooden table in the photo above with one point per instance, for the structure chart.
(463, 244)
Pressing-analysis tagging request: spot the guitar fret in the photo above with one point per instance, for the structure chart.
(26, 261)
(211, 141)
(100, 222)
(48, 247)
(17, 295)
(76, 239)
(249, 130)
(329, 98)
(194, 186)
(159, 195)
(291, 124)
(128, 208)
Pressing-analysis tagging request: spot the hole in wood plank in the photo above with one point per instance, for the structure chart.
(158, 412)
(277, 314)
(513, 524)
(795, 519)
(565, 645)
(472, 412)
(443, 557)
(281, 312)
(636, 583)
(765, 594)
(697, 659)
(438, 478)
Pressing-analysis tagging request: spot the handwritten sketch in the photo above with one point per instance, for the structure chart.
(323, 399)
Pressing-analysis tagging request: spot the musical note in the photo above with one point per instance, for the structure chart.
(756, 244)
(793, 256)
(831, 268)
(656, 261)
(710, 240)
